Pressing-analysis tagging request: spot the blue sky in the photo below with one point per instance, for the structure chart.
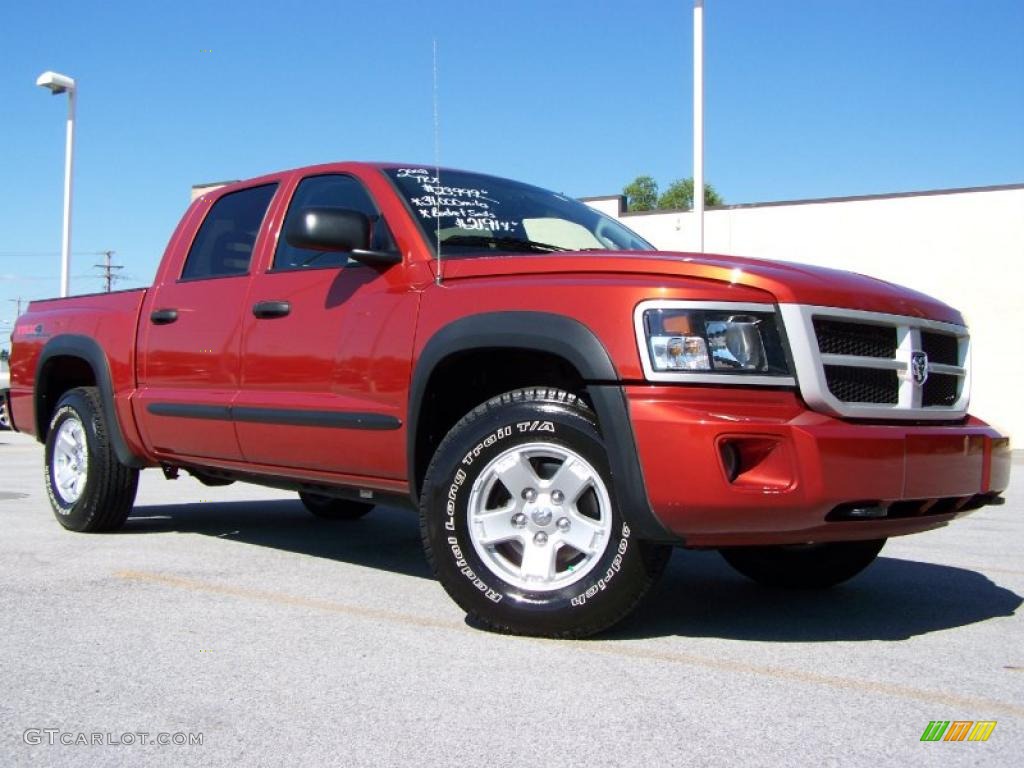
(805, 98)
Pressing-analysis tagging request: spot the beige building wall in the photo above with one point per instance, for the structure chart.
(199, 190)
(965, 247)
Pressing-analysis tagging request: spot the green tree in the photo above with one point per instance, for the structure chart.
(641, 194)
(679, 196)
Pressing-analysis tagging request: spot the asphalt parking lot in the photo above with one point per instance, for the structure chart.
(281, 639)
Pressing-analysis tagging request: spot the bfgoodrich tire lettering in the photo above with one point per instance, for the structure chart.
(89, 489)
(519, 520)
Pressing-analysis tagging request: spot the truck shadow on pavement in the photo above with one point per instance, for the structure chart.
(894, 599)
(386, 538)
(699, 596)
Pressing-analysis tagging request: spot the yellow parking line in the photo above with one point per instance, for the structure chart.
(283, 599)
(952, 700)
(609, 648)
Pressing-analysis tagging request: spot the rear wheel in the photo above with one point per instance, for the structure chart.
(330, 508)
(90, 490)
(804, 566)
(5, 420)
(520, 523)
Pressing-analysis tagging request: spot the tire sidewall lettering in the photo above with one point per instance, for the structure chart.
(464, 568)
(613, 569)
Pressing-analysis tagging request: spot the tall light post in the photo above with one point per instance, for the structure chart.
(58, 83)
(698, 120)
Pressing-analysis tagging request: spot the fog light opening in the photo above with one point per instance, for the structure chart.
(757, 462)
(730, 460)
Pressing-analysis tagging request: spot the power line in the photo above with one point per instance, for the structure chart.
(43, 254)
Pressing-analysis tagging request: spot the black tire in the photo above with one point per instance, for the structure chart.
(102, 502)
(5, 419)
(581, 593)
(806, 566)
(330, 508)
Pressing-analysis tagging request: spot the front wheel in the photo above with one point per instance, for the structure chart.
(804, 566)
(520, 523)
(90, 490)
(5, 420)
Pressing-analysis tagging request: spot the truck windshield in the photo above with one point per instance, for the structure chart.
(471, 214)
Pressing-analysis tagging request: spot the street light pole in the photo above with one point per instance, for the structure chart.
(698, 120)
(57, 84)
(69, 154)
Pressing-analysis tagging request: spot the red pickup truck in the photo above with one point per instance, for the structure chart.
(560, 402)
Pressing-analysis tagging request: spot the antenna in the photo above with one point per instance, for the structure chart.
(437, 169)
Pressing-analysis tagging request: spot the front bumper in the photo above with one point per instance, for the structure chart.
(732, 466)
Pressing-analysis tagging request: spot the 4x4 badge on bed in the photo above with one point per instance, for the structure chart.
(919, 367)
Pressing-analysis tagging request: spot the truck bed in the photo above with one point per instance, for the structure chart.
(107, 320)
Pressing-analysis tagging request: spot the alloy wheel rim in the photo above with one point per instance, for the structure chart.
(70, 463)
(540, 516)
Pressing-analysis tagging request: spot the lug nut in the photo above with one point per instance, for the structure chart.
(518, 519)
(540, 538)
(529, 494)
(557, 496)
(563, 524)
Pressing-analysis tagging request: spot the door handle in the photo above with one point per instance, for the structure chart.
(265, 310)
(163, 316)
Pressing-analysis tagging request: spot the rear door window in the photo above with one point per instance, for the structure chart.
(224, 244)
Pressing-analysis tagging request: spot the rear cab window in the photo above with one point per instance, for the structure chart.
(224, 244)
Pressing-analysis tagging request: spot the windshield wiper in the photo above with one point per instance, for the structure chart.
(503, 243)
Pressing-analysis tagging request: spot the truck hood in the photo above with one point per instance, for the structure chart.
(788, 283)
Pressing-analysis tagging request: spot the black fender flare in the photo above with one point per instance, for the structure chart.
(88, 350)
(578, 345)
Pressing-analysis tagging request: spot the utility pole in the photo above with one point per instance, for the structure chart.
(109, 270)
(17, 301)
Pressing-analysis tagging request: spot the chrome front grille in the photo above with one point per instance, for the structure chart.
(836, 337)
(941, 389)
(871, 365)
(941, 347)
(862, 385)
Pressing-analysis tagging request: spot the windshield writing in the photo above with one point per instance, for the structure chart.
(474, 214)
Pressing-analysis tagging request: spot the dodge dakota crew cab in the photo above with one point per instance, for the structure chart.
(560, 402)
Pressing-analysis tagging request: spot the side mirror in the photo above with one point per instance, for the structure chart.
(337, 229)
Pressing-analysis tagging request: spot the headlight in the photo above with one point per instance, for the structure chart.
(731, 339)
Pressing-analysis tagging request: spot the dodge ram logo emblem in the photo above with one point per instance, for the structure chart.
(919, 367)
